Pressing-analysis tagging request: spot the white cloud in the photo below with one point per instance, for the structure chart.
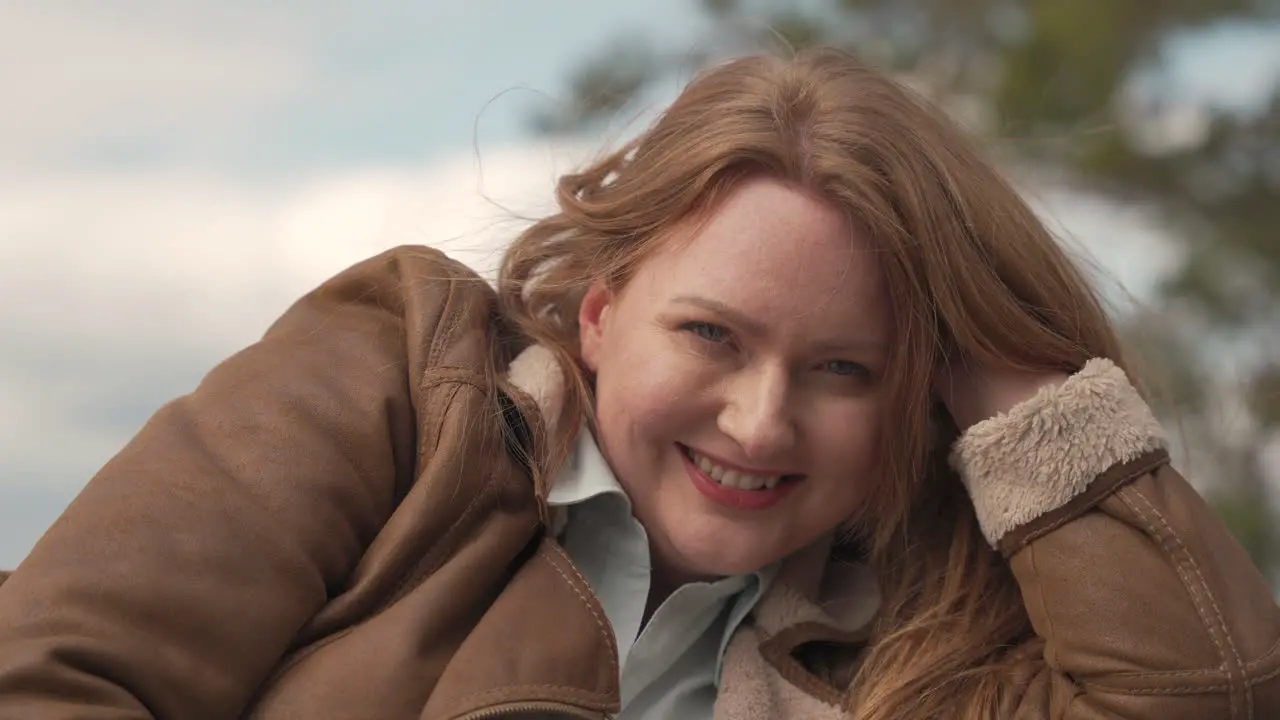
(118, 292)
(75, 74)
(275, 87)
(105, 278)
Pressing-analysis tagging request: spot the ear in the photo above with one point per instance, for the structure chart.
(593, 318)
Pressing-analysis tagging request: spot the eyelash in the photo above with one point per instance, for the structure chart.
(696, 326)
(701, 330)
(856, 370)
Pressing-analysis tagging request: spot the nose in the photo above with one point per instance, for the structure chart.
(756, 416)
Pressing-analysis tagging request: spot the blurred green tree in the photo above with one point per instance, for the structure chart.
(1085, 92)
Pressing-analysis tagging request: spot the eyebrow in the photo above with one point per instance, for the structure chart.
(754, 327)
(730, 313)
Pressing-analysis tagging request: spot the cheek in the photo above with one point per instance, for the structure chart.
(848, 443)
(651, 387)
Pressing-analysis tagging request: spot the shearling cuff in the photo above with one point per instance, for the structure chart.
(1035, 458)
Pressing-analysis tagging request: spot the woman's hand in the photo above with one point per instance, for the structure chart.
(973, 393)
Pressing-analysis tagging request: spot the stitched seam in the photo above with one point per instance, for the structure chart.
(1179, 567)
(1263, 678)
(1118, 484)
(1032, 537)
(450, 319)
(1157, 675)
(1264, 657)
(1217, 611)
(1183, 689)
(606, 631)
(452, 375)
(1179, 690)
(564, 692)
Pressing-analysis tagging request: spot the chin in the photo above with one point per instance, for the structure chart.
(703, 552)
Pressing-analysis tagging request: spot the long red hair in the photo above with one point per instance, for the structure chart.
(970, 268)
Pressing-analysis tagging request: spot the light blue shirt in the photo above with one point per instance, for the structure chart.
(672, 668)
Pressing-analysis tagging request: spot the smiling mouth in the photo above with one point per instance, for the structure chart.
(734, 478)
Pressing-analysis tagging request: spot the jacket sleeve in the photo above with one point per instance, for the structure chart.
(179, 576)
(1145, 605)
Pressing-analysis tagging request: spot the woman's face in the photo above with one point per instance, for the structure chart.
(738, 381)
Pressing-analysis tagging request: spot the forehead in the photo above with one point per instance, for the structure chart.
(773, 251)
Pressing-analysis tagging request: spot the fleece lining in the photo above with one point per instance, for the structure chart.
(1035, 458)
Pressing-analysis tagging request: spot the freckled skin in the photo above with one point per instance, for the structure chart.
(788, 380)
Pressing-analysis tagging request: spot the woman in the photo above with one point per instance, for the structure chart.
(794, 410)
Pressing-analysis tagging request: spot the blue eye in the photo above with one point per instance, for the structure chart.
(707, 331)
(845, 368)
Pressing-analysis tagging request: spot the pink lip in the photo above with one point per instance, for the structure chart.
(733, 497)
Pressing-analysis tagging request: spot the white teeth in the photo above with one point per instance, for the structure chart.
(733, 478)
(741, 481)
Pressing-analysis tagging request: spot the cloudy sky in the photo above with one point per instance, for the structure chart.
(174, 172)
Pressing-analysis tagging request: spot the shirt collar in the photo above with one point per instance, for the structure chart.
(585, 475)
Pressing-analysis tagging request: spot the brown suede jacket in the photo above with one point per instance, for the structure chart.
(336, 524)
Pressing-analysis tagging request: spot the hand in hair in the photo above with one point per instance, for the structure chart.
(973, 392)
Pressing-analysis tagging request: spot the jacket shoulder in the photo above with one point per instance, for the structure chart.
(220, 529)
